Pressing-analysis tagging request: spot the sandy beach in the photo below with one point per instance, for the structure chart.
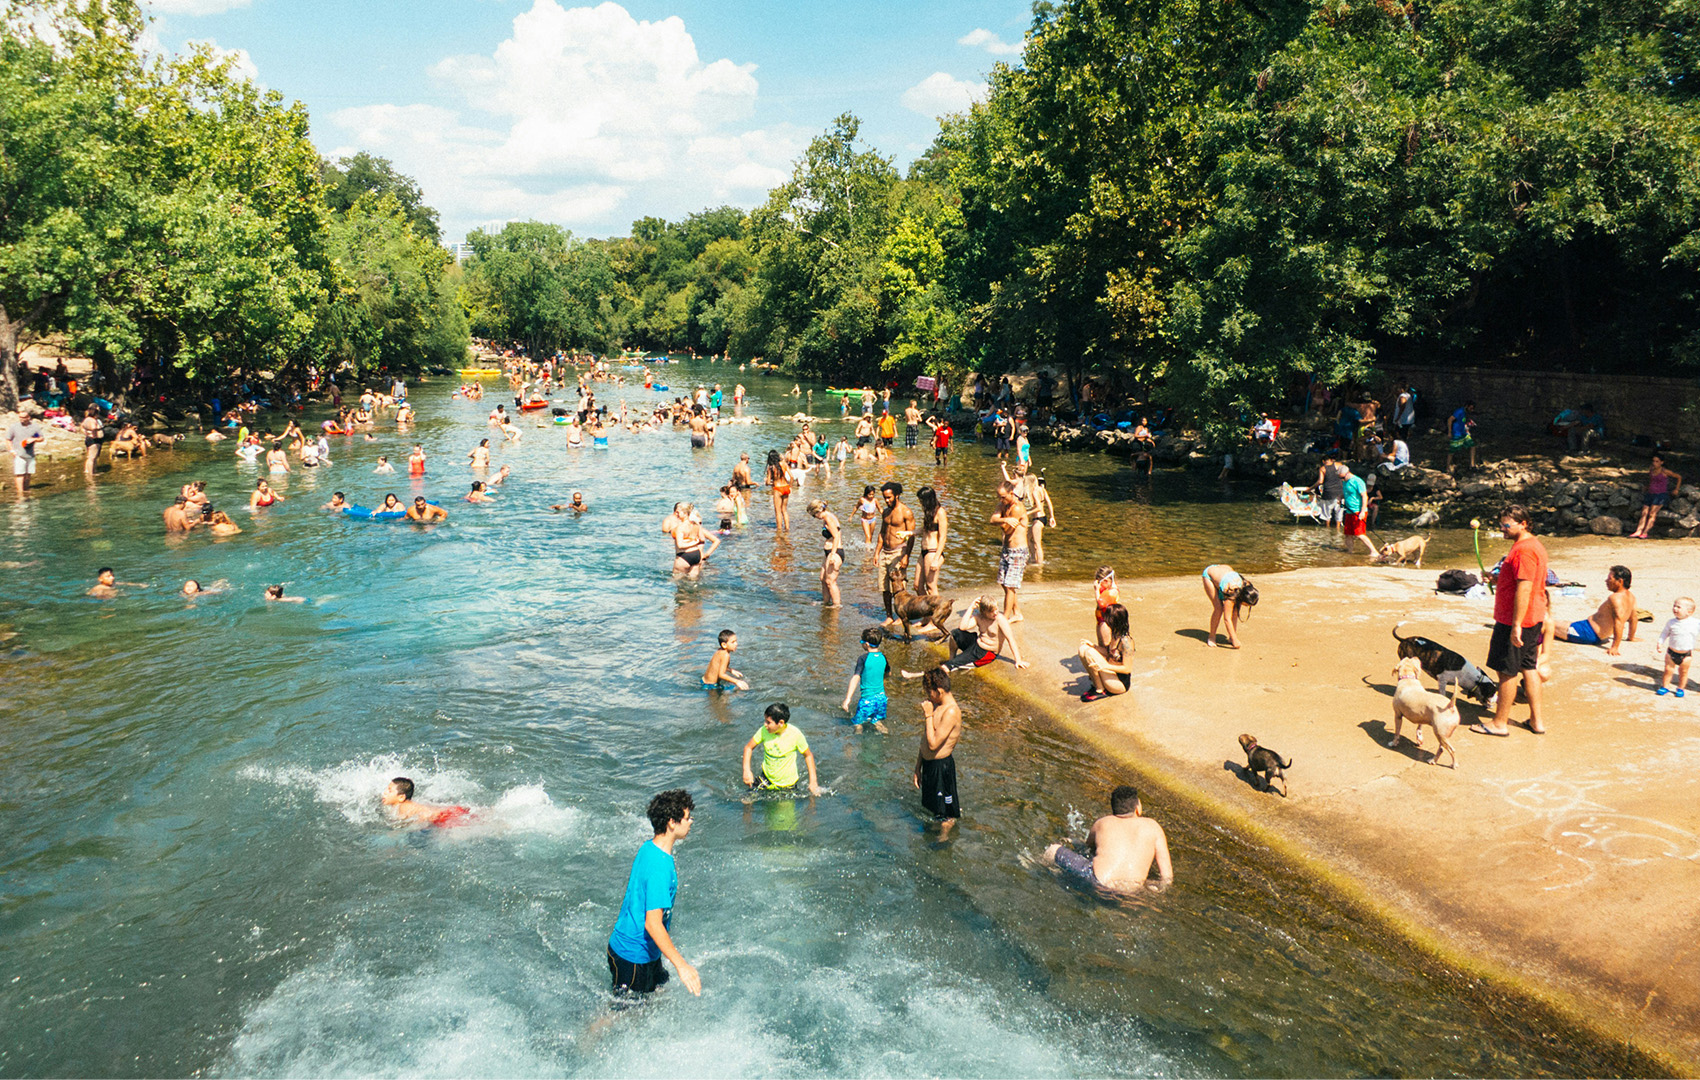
(1567, 863)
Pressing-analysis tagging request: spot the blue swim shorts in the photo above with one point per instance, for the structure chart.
(1582, 633)
(871, 710)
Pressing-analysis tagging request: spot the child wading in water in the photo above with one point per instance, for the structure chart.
(867, 683)
(720, 672)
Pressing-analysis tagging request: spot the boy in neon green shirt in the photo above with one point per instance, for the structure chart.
(780, 744)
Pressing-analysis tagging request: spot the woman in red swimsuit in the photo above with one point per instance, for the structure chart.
(263, 495)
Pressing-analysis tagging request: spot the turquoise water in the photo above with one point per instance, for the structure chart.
(196, 877)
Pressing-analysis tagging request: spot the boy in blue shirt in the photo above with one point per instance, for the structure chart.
(1460, 430)
(867, 684)
(641, 933)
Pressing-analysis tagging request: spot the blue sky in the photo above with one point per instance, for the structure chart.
(595, 115)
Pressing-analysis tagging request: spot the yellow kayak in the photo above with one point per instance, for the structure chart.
(480, 371)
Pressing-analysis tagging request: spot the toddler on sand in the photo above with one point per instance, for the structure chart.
(1676, 641)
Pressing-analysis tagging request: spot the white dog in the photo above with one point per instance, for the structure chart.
(1422, 707)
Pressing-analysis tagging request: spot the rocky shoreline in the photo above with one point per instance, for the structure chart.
(1567, 494)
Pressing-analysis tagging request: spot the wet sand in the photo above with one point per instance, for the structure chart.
(1567, 863)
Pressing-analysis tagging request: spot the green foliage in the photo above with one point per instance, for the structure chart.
(347, 179)
(533, 283)
(1214, 200)
(163, 213)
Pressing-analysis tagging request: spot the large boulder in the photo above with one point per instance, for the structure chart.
(1415, 480)
(1605, 525)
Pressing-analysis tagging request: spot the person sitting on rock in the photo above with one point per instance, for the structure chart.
(1395, 457)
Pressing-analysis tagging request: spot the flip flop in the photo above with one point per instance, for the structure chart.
(1480, 730)
(1093, 696)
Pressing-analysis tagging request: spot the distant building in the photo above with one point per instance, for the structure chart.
(461, 251)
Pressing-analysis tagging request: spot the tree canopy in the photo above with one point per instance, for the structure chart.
(173, 221)
(1214, 199)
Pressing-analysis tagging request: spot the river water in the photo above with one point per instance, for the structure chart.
(196, 877)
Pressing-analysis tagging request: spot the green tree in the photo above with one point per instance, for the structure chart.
(349, 178)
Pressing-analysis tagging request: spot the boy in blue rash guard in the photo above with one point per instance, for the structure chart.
(641, 934)
(867, 684)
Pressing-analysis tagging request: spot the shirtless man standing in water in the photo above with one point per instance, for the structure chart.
(1012, 563)
(897, 539)
(1120, 850)
(935, 765)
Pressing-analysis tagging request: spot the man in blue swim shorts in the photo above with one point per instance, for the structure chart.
(1614, 622)
(867, 683)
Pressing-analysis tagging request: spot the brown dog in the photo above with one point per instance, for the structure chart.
(1422, 707)
(1403, 551)
(1264, 765)
(922, 611)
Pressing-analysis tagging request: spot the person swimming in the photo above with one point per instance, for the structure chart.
(398, 797)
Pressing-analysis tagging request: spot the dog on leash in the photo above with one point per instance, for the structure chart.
(1264, 765)
(921, 611)
(1448, 668)
(1400, 552)
(1423, 708)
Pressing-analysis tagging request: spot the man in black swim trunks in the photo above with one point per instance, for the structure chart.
(642, 933)
(935, 766)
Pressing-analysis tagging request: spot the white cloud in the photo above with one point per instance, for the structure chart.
(581, 115)
(938, 94)
(985, 39)
(243, 66)
(195, 7)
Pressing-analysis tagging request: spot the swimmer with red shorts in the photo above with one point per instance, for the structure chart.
(398, 796)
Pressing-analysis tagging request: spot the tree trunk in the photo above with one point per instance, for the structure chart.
(11, 332)
(8, 363)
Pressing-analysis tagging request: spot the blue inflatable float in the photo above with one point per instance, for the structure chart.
(365, 514)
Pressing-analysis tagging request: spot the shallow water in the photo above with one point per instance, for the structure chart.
(196, 877)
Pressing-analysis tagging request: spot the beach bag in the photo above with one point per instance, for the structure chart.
(1455, 581)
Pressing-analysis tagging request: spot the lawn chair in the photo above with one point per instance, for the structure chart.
(1301, 504)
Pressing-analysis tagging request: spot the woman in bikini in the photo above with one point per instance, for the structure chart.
(832, 552)
(688, 539)
(1229, 593)
(869, 512)
(935, 529)
(780, 485)
(93, 432)
(263, 495)
(277, 461)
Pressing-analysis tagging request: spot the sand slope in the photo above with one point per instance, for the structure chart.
(1570, 860)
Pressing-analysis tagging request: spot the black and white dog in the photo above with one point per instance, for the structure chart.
(1447, 668)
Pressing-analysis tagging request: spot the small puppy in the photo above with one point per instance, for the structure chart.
(1421, 707)
(1264, 765)
(922, 611)
(1403, 551)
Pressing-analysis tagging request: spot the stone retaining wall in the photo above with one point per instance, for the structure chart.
(1667, 410)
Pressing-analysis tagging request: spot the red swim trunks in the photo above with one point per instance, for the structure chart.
(450, 816)
(1354, 525)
